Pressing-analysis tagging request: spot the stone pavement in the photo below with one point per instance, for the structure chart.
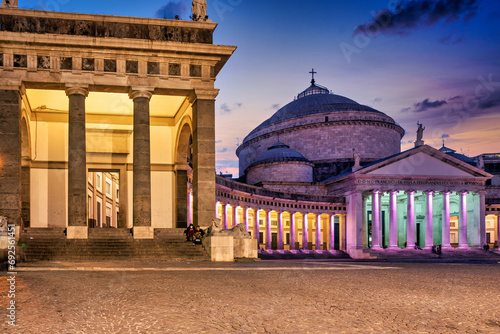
(255, 297)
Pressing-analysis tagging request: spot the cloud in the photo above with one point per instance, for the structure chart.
(226, 109)
(376, 100)
(425, 105)
(492, 101)
(450, 39)
(218, 141)
(411, 14)
(410, 141)
(275, 106)
(222, 150)
(171, 9)
(445, 136)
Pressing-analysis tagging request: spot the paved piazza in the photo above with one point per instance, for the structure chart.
(258, 297)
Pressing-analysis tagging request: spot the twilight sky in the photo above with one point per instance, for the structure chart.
(433, 61)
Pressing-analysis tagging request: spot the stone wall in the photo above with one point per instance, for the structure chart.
(291, 171)
(299, 188)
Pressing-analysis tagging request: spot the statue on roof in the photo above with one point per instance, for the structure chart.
(420, 131)
(199, 9)
(9, 4)
(357, 160)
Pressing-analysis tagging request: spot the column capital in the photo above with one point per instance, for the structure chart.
(462, 192)
(136, 92)
(445, 192)
(429, 192)
(391, 191)
(376, 191)
(482, 192)
(77, 90)
(410, 192)
(204, 94)
(11, 84)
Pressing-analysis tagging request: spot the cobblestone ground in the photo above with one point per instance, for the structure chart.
(264, 297)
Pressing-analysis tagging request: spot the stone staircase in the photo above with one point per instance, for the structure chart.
(50, 244)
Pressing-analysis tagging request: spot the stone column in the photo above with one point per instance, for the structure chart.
(234, 212)
(393, 220)
(410, 220)
(141, 186)
(353, 225)
(224, 215)
(446, 220)
(462, 221)
(182, 197)
(280, 230)
(245, 217)
(292, 230)
(429, 220)
(77, 165)
(268, 229)
(332, 232)
(304, 232)
(482, 218)
(10, 155)
(318, 232)
(204, 155)
(376, 220)
(256, 224)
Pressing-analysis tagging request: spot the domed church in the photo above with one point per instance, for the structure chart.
(326, 174)
(325, 128)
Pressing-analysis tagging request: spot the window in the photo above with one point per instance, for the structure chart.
(117, 192)
(98, 213)
(98, 180)
(108, 188)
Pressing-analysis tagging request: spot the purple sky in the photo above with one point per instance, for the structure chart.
(433, 61)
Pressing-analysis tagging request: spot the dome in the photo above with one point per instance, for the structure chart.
(278, 152)
(314, 100)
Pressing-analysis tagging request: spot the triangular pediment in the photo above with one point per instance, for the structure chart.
(423, 161)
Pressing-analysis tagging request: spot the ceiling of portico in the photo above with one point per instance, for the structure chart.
(98, 103)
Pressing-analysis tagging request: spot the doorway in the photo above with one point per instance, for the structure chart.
(103, 205)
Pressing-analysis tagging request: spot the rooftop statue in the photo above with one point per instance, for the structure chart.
(9, 4)
(420, 132)
(199, 9)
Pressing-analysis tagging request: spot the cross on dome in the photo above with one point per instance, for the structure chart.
(313, 73)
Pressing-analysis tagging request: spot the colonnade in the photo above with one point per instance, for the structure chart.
(310, 222)
(430, 225)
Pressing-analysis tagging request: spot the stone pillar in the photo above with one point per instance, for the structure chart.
(393, 220)
(268, 229)
(353, 225)
(245, 217)
(224, 215)
(292, 230)
(10, 155)
(410, 220)
(462, 221)
(332, 232)
(482, 218)
(429, 220)
(318, 232)
(77, 164)
(204, 155)
(234, 212)
(376, 220)
(304, 232)
(280, 230)
(256, 228)
(446, 220)
(141, 197)
(182, 198)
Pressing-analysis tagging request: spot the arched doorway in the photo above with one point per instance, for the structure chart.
(183, 171)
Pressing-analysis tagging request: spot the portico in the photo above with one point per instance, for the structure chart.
(410, 200)
(127, 103)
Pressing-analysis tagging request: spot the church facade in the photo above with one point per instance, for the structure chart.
(336, 179)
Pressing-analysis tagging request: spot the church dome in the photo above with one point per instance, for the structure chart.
(278, 152)
(280, 164)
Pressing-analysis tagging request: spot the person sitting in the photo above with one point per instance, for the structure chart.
(417, 247)
(198, 234)
(189, 232)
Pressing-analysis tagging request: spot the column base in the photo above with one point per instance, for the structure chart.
(463, 247)
(376, 248)
(393, 247)
(428, 247)
(143, 232)
(77, 232)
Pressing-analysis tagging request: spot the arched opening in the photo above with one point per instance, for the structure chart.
(183, 172)
(25, 174)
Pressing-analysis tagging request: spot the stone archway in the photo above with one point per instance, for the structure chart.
(25, 174)
(183, 167)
